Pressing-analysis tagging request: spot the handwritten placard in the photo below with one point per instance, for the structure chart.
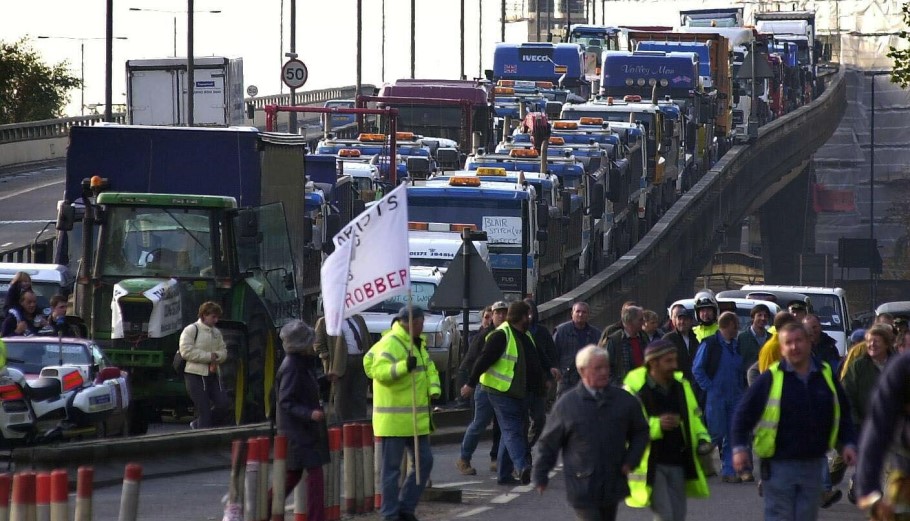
(502, 230)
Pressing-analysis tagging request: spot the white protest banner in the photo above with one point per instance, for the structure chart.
(370, 262)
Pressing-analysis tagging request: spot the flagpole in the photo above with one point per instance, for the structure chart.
(413, 392)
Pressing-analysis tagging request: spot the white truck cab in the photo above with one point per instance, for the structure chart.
(437, 249)
(829, 304)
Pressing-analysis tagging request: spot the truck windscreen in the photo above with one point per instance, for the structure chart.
(138, 241)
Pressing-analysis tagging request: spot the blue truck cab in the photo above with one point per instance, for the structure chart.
(561, 63)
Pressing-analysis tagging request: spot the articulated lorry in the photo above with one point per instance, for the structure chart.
(173, 217)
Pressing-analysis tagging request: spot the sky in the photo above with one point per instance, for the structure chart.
(326, 38)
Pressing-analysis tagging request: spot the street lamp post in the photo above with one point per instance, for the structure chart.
(872, 282)
(81, 62)
(174, 14)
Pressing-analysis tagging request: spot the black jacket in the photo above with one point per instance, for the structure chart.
(596, 439)
(685, 357)
(620, 349)
(297, 398)
(886, 430)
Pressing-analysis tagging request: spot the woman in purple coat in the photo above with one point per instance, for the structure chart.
(300, 416)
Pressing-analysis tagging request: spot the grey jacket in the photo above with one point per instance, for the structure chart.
(297, 398)
(596, 439)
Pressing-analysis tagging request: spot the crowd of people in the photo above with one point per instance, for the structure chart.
(776, 400)
(635, 411)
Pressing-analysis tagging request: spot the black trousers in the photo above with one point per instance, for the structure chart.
(209, 399)
(603, 513)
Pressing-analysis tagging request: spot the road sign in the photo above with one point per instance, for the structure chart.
(294, 73)
(252, 90)
(482, 290)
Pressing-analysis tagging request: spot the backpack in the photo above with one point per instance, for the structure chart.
(179, 362)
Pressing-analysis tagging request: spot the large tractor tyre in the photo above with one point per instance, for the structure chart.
(233, 377)
(262, 364)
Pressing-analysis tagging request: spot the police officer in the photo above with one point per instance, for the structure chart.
(396, 363)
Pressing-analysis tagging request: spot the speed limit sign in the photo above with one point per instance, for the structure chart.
(294, 73)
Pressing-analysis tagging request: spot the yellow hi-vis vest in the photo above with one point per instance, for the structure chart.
(694, 431)
(702, 331)
(766, 430)
(395, 388)
(499, 376)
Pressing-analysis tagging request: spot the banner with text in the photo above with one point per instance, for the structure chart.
(370, 262)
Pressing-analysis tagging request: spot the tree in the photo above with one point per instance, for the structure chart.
(31, 90)
(900, 73)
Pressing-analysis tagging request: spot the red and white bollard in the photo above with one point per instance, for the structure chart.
(129, 496)
(377, 472)
(333, 507)
(366, 438)
(43, 496)
(263, 501)
(60, 507)
(251, 481)
(279, 474)
(6, 485)
(84, 485)
(300, 499)
(23, 508)
(351, 439)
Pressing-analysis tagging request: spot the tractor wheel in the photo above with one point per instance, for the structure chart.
(261, 362)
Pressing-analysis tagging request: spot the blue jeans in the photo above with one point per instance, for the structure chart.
(719, 415)
(792, 490)
(513, 447)
(483, 415)
(395, 501)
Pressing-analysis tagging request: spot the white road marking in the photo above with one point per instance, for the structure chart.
(474, 511)
(456, 484)
(502, 499)
(30, 189)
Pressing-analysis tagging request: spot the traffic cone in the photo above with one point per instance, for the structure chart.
(60, 508)
(23, 508)
(43, 496)
(129, 496)
(369, 486)
(351, 439)
(251, 481)
(279, 471)
(6, 485)
(84, 477)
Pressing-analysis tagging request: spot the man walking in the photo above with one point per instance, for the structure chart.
(399, 364)
(483, 411)
(601, 433)
(685, 341)
(508, 366)
(626, 347)
(671, 469)
(752, 339)
(718, 369)
(570, 337)
(801, 412)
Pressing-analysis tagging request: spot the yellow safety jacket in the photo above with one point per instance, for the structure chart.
(393, 397)
(694, 431)
(499, 376)
(766, 430)
(702, 331)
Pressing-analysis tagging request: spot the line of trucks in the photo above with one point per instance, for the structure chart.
(564, 159)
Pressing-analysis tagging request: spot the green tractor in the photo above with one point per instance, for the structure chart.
(152, 259)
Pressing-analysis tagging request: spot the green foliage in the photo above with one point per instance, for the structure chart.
(900, 73)
(31, 90)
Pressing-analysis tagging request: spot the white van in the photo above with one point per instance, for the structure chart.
(47, 280)
(829, 304)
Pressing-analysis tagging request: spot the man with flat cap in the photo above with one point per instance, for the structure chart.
(399, 363)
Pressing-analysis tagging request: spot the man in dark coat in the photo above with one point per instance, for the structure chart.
(626, 347)
(300, 416)
(602, 434)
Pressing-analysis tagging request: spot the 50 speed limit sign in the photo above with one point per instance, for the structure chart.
(294, 74)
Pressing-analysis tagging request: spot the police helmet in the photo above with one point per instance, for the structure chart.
(706, 299)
